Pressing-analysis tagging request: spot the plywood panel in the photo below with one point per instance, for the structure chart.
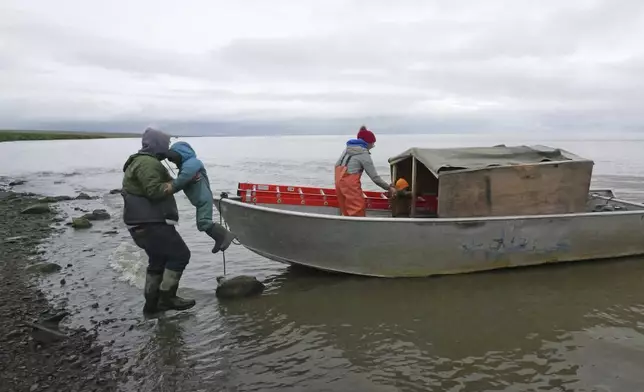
(547, 188)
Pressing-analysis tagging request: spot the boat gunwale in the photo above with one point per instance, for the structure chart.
(315, 215)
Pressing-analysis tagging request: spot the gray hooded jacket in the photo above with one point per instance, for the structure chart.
(358, 159)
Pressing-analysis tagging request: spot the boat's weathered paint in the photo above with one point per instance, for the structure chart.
(415, 247)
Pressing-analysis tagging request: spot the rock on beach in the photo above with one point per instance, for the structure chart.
(44, 267)
(97, 215)
(36, 209)
(238, 287)
(81, 223)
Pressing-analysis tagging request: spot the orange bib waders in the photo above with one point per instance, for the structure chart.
(349, 191)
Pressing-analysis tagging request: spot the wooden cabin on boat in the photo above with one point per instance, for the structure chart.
(492, 181)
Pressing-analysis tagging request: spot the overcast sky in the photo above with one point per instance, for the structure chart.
(505, 62)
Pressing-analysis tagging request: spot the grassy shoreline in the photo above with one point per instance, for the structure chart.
(19, 135)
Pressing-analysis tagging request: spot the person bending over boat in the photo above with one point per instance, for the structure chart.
(198, 192)
(150, 212)
(355, 159)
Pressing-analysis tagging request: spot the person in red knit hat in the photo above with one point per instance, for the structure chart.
(356, 159)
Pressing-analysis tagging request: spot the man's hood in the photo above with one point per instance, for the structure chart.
(357, 147)
(155, 142)
(184, 149)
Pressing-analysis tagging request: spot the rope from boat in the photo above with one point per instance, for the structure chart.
(224, 195)
(223, 255)
(225, 225)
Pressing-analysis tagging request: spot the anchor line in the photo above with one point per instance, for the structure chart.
(221, 218)
(225, 225)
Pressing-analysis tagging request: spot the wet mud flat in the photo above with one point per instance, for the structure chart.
(37, 351)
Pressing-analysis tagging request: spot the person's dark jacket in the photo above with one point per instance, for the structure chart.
(145, 197)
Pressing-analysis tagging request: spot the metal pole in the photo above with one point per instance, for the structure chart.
(414, 187)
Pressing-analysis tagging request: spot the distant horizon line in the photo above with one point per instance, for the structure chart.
(291, 133)
(117, 134)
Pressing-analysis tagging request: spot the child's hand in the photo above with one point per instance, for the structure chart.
(197, 177)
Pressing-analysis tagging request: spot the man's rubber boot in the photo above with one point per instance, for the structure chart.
(168, 299)
(151, 292)
(223, 238)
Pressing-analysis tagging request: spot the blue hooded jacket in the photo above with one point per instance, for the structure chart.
(199, 192)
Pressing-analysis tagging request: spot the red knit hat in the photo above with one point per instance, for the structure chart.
(366, 135)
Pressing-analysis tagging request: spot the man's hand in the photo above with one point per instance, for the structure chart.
(167, 188)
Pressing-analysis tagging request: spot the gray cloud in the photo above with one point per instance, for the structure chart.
(528, 65)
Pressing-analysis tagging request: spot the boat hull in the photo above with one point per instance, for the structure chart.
(394, 247)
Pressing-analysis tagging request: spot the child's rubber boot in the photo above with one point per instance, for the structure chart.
(223, 238)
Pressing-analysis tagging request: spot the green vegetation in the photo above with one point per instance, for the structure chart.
(11, 135)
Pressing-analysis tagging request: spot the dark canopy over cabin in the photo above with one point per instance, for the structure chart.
(496, 181)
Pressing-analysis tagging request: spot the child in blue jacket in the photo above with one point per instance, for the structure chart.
(198, 192)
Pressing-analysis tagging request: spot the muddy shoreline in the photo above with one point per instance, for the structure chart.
(37, 351)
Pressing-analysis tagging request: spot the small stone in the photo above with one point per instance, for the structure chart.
(81, 223)
(238, 287)
(55, 199)
(97, 215)
(110, 232)
(95, 305)
(57, 318)
(13, 240)
(17, 182)
(131, 327)
(83, 196)
(33, 388)
(63, 282)
(115, 191)
(13, 334)
(45, 268)
(36, 209)
(70, 265)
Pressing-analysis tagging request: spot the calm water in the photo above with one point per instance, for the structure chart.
(573, 327)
